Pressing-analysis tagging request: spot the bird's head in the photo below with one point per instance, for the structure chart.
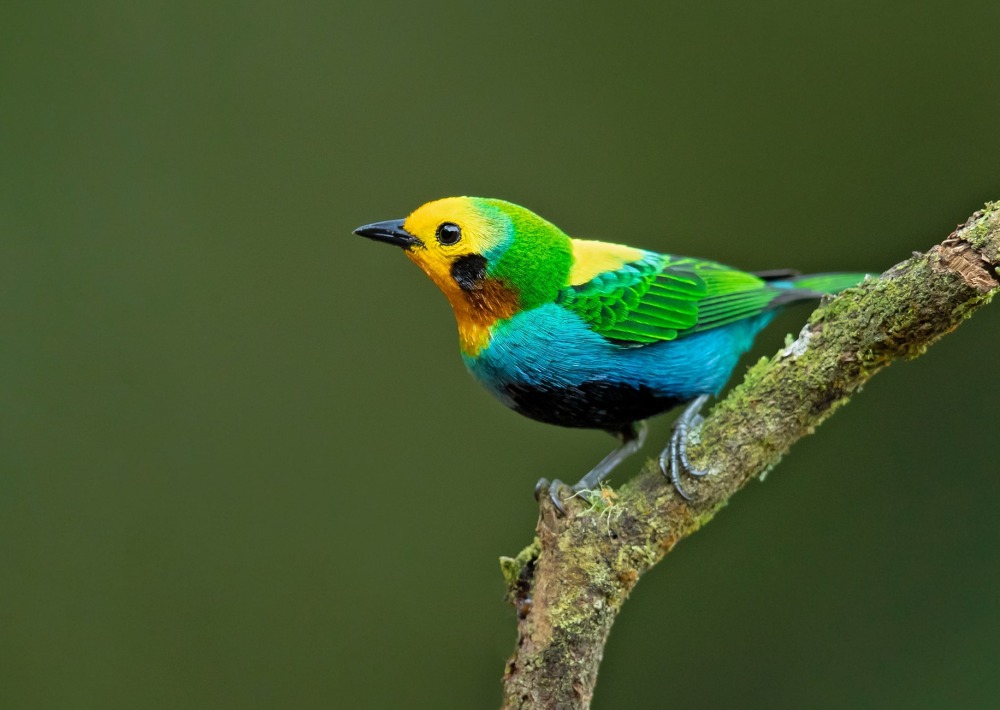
(491, 258)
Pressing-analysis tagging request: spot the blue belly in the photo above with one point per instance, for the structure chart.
(547, 364)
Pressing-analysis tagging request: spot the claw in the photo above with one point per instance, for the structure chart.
(552, 488)
(631, 436)
(681, 434)
(674, 459)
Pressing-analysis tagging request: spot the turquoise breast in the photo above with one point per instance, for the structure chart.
(547, 364)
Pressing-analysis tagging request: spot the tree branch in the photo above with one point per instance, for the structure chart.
(570, 583)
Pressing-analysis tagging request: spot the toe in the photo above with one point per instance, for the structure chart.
(554, 491)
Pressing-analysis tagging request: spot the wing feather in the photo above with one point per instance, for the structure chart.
(661, 297)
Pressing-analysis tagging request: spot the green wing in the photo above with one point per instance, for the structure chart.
(663, 298)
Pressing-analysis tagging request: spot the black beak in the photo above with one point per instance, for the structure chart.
(391, 232)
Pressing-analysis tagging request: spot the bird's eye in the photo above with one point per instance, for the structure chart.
(449, 233)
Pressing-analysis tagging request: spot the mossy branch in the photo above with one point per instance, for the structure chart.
(570, 583)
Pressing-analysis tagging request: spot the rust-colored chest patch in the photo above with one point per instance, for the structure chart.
(480, 309)
(477, 308)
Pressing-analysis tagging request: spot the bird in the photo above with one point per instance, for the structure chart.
(592, 334)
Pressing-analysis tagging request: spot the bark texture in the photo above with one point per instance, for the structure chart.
(570, 583)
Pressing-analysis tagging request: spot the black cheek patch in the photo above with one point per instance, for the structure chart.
(469, 271)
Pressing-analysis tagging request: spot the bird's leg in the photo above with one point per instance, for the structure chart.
(674, 458)
(632, 436)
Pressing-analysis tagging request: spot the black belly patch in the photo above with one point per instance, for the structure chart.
(590, 405)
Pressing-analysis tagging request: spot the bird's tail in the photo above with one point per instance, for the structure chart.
(809, 286)
(827, 283)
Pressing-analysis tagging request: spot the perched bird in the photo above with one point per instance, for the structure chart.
(586, 333)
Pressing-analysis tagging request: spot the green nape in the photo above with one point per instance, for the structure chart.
(537, 261)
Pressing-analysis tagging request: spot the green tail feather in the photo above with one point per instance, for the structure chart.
(826, 283)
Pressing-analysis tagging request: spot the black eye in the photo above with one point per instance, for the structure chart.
(449, 233)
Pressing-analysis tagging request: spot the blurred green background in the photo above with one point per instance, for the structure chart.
(241, 465)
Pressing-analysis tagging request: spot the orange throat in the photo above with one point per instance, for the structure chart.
(476, 310)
